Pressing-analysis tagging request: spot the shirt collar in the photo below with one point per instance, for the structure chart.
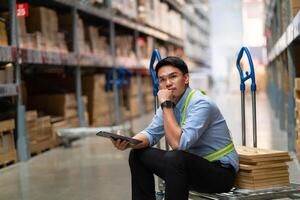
(181, 102)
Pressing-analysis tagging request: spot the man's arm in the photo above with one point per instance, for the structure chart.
(172, 130)
(122, 145)
(143, 138)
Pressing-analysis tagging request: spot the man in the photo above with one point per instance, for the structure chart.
(202, 158)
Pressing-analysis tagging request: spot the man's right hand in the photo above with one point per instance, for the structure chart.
(120, 144)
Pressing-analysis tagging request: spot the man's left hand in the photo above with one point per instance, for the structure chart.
(164, 95)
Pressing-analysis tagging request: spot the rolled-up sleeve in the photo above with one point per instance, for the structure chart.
(155, 131)
(196, 122)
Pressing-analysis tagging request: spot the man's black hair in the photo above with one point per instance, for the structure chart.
(173, 61)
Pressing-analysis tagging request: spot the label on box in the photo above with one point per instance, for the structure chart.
(22, 9)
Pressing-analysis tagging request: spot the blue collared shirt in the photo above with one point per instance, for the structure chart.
(204, 130)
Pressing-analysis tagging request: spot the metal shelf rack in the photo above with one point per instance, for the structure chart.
(22, 58)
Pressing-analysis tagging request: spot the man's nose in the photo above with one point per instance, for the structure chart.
(168, 82)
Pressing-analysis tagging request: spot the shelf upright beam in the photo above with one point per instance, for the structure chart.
(78, 84)
(291, 100)
(139, 79)
(281, 89)
(22, 141)
(112, 35)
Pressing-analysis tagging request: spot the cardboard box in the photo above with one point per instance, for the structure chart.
(3, 34)
(7, 125)
(56, 104)
(134, 106)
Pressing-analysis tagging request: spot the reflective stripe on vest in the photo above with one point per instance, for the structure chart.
(215, 155)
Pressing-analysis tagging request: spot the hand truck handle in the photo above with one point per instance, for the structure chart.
(253, 90)
(155, 55)
(251, 75)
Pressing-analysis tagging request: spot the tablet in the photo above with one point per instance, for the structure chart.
(121, 137)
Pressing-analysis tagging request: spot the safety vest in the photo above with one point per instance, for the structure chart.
(215, 155)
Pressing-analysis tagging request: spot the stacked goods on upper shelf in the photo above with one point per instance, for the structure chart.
(145, 47)
(97, 43)
(39, 132)
(97, 3)
(3, 31)
(7, 142)
(158, 15)
(124, 51)
(297, 116)
(261, 168)
(6, 74)
(83, 44)
(295, 7)
(100, 103)
(40, 31)
(127, 8)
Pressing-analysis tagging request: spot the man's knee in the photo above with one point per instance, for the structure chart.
(174, 158)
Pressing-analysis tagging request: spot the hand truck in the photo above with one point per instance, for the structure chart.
(287, 192)
(156, 56)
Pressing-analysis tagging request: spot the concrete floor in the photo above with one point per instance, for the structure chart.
(92, 169)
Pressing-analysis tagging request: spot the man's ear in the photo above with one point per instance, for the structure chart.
(186, 78)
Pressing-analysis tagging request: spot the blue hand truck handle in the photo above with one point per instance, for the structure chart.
(155, 55)
(251, 75)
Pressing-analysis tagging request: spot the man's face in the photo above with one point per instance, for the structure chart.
(172, 78)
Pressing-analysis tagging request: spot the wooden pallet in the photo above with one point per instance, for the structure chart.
(8, 158)
(8, 153)
(37, 148)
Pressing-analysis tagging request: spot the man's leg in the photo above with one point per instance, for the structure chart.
(185, 171)
(143, 164)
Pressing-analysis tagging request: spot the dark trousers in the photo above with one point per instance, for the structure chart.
(181, 171)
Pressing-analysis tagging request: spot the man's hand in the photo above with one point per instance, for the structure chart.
(120, 144)
(164, 95)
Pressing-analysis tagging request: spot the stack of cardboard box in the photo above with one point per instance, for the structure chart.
(134, 98)
(124, 51)
(157, 14)
(148, 93)
(7, 143)
(100, 103)
(3, 32)
(127, 8)
(39, 132)
(40, 31)
(297, 116)
(295, 7)
(6, 74)
(261, 168)
(64, 105)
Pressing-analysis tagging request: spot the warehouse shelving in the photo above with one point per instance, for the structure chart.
(282, 63)
(292, 33)
(81, 62)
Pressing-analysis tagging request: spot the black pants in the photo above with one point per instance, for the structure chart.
(181, 171)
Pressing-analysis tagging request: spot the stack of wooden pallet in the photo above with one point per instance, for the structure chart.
(261, 168)
(7, 144)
